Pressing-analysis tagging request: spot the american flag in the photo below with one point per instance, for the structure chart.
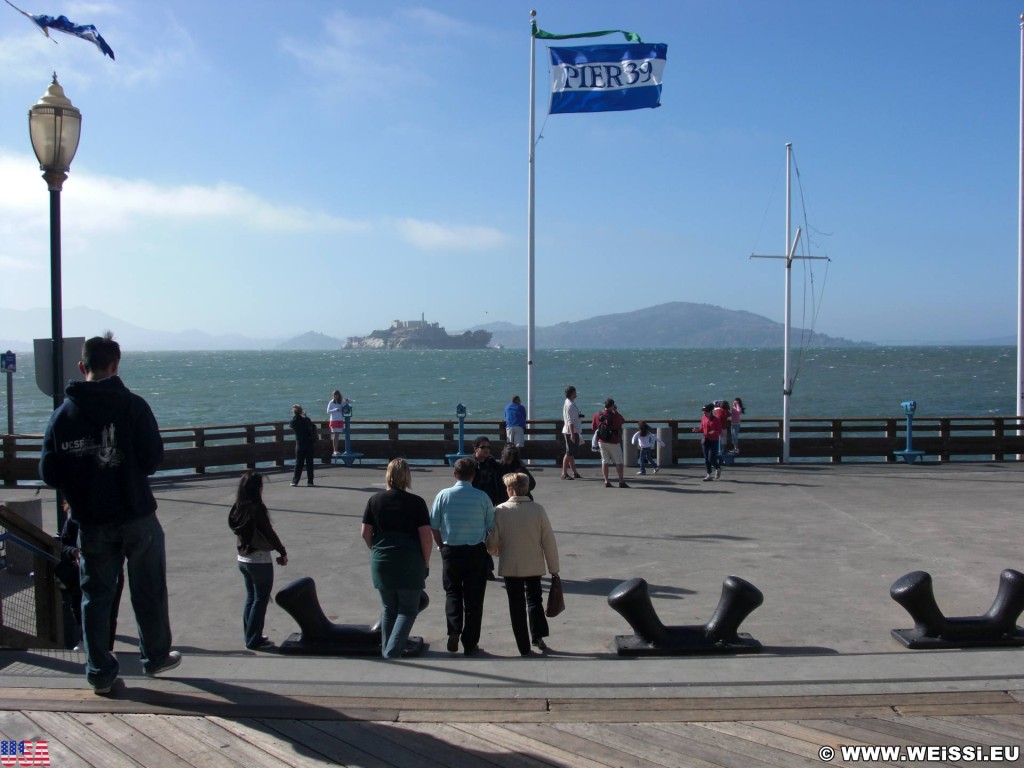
(24, 753)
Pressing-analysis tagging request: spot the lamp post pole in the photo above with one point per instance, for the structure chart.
(55, 126)
(56, 314)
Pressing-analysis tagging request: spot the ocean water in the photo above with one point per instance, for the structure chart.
(208, 388)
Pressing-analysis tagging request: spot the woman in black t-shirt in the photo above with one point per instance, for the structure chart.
(396, 528)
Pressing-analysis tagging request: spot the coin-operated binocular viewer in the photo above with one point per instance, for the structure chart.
(909, 454)
(460, 414)
(349, 456)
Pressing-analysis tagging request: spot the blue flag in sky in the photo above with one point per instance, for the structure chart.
(607, 78)
(62, 24)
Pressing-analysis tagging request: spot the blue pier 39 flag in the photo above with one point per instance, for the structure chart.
(607, 78)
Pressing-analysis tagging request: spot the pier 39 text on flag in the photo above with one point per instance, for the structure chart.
(607, 78)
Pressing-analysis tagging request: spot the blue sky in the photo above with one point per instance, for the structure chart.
(272, 168)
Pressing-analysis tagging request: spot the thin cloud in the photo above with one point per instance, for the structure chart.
(430, 236)
(349, 47)
(110, 204)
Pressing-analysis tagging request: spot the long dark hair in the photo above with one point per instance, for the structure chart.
(742, 409)
(510, 456)
(250, 488)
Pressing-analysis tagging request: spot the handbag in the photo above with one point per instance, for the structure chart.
(556, 598)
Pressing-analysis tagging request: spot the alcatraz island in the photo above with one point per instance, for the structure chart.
(418, 334)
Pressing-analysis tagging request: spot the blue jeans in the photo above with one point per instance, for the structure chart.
(259, 580)
(104, 550)
(399, 608)
(711, 457)
(646, 457)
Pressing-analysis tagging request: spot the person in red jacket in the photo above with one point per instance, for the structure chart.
(608, 426)
(711, 429)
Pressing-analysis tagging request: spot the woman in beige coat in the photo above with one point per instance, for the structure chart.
(525, 544)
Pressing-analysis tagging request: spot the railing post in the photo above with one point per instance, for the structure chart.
(837, 441)
(778, 440)
(999, 432)
(199, 441)
(891, 436)
(279, 439)
(7, 461)
(250, 439)
(944, 439)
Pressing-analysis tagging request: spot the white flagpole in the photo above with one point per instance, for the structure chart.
(787, 382)
(530, 342)
(1020, 241)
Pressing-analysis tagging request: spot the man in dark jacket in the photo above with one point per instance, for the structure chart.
(305, 440)
(100, 447)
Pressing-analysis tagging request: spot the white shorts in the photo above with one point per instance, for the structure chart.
(611, 453)
(516, 436)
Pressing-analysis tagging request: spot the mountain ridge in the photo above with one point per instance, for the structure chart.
(669, 325)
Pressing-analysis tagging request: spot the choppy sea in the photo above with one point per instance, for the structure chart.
(207, 388)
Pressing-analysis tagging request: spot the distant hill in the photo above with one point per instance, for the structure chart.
(676, 325)
(312, 340)
(20, 326)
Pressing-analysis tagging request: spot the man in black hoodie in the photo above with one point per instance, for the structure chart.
(100, 447)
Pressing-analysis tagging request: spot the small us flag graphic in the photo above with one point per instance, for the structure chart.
(24, 753)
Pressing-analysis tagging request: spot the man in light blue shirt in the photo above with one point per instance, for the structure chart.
(460, 520)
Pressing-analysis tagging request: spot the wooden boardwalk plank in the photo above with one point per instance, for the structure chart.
(865, 700)
(1006, 727)
(311, 738)
(926, 730)
(253, 736)
(184, 743)
(634, 740)
(486, 749)
(799, 743)
(936, 710)
(20, 727)
(745, 750)
(427, 745)
(82, 740)
(131, 742)
(544, 745)
(374, 739)
(234, 740)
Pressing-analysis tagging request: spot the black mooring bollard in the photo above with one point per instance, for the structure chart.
(739, 599)
(632, 600)
(932, 629)
(319, 636)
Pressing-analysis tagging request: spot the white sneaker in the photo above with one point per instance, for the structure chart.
(706, 478)
(718, 474)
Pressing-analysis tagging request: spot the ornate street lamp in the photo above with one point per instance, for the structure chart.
(55, 125)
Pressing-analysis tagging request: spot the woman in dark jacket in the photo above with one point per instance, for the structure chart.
(511, 462)
(250, 521)
(396, 528)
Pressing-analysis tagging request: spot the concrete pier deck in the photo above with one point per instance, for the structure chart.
(823, 543)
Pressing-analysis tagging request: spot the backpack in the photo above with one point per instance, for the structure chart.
(605, 427)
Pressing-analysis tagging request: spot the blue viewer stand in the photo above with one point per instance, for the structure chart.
(349, 457)
(451, 458)
(909, 454)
